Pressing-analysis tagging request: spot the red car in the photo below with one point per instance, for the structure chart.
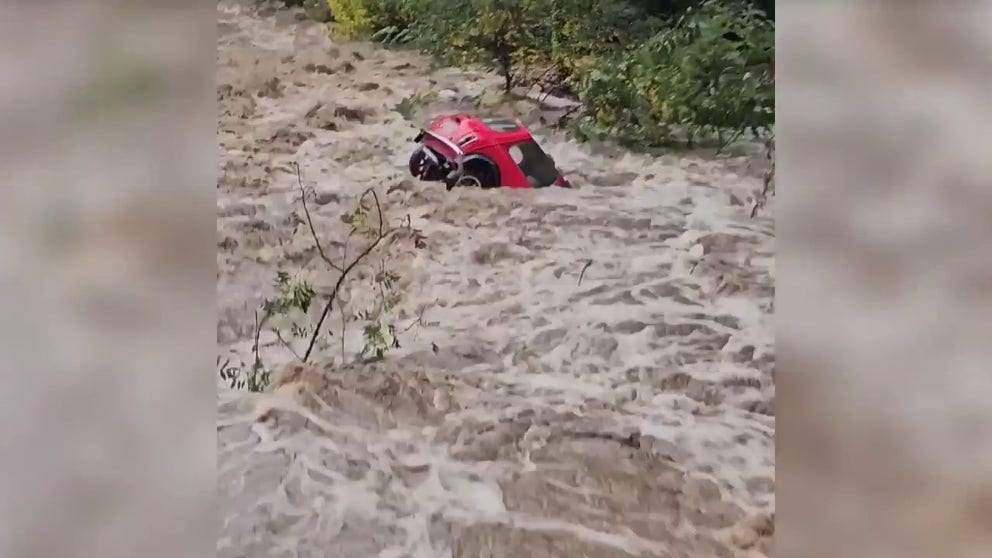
(464, 150)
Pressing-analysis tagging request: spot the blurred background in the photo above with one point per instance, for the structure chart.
(106, 264)
(107, 241)
(884, 280)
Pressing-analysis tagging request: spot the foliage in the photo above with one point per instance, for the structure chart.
(291, 303)
(290, 294)
(502, 35)
(254, 378)
(392, 35)
(648, 72)
(318, 10)
(377, 339)
(672, 9)
(356, 19)
(294, 298)
(351, 18)
(709, 72)
(408, 106)
(287, 314)
(583, 32)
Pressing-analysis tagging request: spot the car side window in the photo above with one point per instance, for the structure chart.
(534, 162)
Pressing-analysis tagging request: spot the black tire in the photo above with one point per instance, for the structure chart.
(483, 171)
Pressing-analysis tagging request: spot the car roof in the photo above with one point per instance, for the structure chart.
(498, 128)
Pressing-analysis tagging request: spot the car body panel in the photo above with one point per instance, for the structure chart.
(453, 137)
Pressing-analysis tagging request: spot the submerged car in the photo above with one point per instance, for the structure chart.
(467, 151)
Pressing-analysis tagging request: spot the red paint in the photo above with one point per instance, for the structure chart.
(494, 138)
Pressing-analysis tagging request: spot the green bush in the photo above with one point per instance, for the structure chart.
(709, 73)
(360, 19)
(502, 35)
(517, 37)
(351, 18)
(646, 73)
(317, 10)
(584, 32)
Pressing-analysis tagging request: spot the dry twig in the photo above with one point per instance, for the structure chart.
(419, 321)
(537, 80)
(583, 272)
(286, 344)
(313, 232)
(346, 267)
(380, 235)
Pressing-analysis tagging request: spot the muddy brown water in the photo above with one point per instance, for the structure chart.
(528, 415)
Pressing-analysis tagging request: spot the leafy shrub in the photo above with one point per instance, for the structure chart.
(502, 35)
(646, 72)
(408, 107)
(709, 72)
(717, 65)
(357, 19)
(393, 35)
(351, 18)
(253, 378)
(612, 107)
(584, 32)
(378, 339)
(527, 39)
(317, 10)
(672, 9)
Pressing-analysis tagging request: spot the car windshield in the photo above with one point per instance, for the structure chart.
(534, 162)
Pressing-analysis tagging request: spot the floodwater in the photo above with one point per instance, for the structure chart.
(525, 413)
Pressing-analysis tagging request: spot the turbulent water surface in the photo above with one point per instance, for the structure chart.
(525, 413)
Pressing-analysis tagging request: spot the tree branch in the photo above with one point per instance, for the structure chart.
(344, 328)
(544, 74)
(306, 210)
(419, 320)
(286, 344)
(733, 138)
(563, 118)
(583, 272)
(346, 271)
(259, 324)
(344, 251)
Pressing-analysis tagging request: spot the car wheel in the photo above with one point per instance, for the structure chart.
(478, 174)
(468, 181)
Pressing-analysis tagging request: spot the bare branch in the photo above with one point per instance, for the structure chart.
(564, 117)
(544, 74)
(259, 324)
(286, 344)
(306, 210)
(419, 320)
(344, 255)
(347, 269)
(732, 139)
(344, 328)
(258, 331)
